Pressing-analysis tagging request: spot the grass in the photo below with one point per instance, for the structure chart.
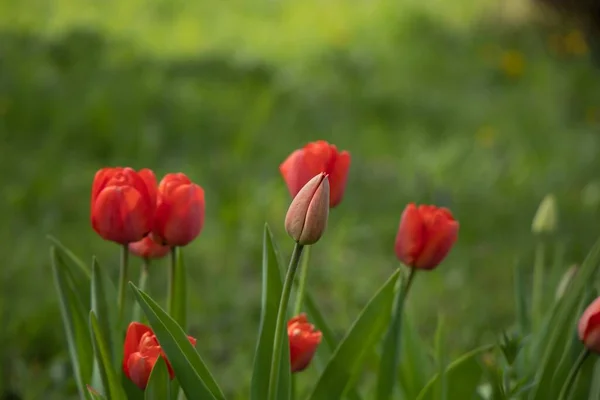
(435, 105)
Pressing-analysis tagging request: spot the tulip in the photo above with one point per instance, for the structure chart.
(425, 236)
(122, 204)
(589, 326)
(148, 249)
(306, 218)
(141, 351)
(312, 159)
(304, 340)
(179, 215)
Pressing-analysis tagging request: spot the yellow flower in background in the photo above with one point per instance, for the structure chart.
(512, 63)
(486, 137)
(575, 43)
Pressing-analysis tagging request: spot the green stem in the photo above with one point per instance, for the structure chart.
(137, 310)
(171, 287)
(566, 389)
(385, 387)
(281, 319)
(123, 281)
(538, 285)
(302, 281)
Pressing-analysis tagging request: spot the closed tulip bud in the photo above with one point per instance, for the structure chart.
(316, 157)
(141, 351)
(304, 340)
(148, 248)
(306, 218)
(425, 236)
(589, 326)
(123, 203)
(179, 216)
(546, 217)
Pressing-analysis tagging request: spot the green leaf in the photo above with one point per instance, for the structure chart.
(103, 301)
(93, 393)
(560, 328)
(364, 333)
(110, 379)
(271, 293)
(75, 325)
(193, 375)
(415, 366)
(70, 255)
(585, 379)
(463, 376)
(595, 388)
(521, 300)
(159, 382)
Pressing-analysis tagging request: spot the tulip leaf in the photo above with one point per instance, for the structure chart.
(561, 328)
(361, 337)
(75, 325)
(69, 254)
(415, 365)
(191, 371)
(271, 294)
(462, 377)
(110, 379)
(585, 376)
(103, 302)
(159, 382)
(93, 393)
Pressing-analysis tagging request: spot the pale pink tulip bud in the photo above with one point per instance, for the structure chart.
(306, 218)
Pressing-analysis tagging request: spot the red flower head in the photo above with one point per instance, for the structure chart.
(179, 213)
(148, 248)
(589, 326)
(425, 236)
(140, 353)
(316, 157)
(123, 202)
(304, 340)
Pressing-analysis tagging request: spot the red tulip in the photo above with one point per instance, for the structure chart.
(425, 236)
(148, 248)
(589, 326)
(123, 202)
(140, 352)
(179, 213)
(304, 340)
(316, 157)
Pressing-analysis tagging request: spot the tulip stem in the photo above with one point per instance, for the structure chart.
(302, 281)
(566, 389)
(137, 310)
(281, 317)
(123, 281)
(172, 277)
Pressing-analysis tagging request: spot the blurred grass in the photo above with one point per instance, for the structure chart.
(440, 103)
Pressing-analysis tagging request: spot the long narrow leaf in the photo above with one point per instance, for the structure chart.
(159, 382)
(77, 333)
(193, 375)
(271, 292)
(103, 301)
(560, 326)
(110, 380)
(463, 376)
(416, 367)
(363, 334)
(69, 254)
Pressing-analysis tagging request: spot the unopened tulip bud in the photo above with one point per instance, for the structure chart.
(589, 326)
(546, 217)
(306, 218)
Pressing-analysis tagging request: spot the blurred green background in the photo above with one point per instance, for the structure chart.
(481, 106)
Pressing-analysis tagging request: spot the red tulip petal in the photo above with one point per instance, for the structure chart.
(139, 368)
(148, 248)
(149, 179)
(295, 172)
(411, 235)
(338, 178)
(180, 215)
(101, 179)
(440, 237)
(135, 331)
